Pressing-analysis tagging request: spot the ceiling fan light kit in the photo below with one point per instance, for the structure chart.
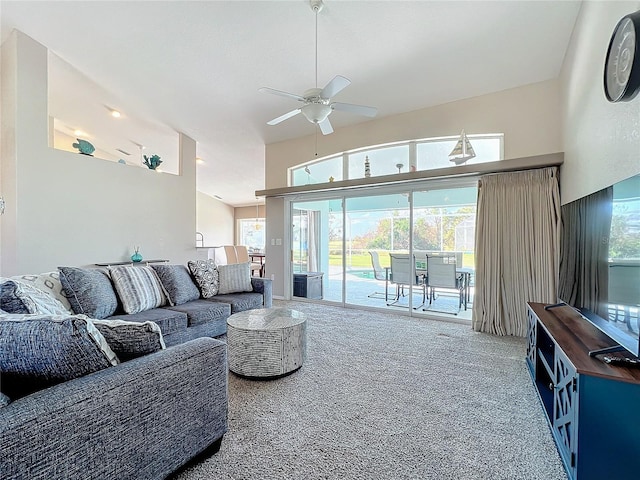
(317, 101)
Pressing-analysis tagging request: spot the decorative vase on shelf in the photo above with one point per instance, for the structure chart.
(136, 257)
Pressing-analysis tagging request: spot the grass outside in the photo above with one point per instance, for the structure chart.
(361, 260)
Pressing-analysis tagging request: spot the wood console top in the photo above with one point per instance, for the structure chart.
(576, 336)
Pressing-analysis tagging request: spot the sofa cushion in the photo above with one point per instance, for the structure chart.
(138, 288)
(4, 400)
(31, 298)
(240, 301)
(235, 278)
(202, 311)
(169, 321)
(177, 283)
(89, 291)
(37, 351)
(131, 339)
(49, 283)
(205, 273)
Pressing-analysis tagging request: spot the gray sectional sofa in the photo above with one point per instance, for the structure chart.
(129, 396)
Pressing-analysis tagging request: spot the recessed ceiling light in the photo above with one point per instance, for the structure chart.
(115, 113)
(199, 160)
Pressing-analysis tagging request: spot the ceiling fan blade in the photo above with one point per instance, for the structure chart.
(281, 93)
(334, 86)
(282, 118)
(325, 126)
(357, 109)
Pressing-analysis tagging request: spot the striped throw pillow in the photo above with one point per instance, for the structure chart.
(235, 278)
(138, 288)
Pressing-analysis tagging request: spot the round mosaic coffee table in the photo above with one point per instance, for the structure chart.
(267, 342)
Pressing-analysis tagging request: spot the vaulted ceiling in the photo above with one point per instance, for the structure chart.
(196, 67)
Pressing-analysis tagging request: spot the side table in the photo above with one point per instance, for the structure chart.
(266, 342)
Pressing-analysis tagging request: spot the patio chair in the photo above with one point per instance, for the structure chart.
(380, 273)
(443, 276)
(403, 273)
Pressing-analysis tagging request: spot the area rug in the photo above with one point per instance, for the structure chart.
(385, 396)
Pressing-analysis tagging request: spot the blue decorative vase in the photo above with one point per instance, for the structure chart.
(136, 257)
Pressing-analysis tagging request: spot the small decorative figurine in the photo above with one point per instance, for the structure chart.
(85, 147)
(367, 167)
(152, 162)
(331, 179)
(136, 257)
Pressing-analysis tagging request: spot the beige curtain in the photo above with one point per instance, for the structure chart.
(517, 248)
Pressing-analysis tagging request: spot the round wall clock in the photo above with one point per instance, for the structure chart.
(622, 64)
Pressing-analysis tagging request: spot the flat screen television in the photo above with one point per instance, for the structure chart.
(600, 261)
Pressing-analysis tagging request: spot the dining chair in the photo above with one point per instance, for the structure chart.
(242, 256)
(403, 273)
(443, 276)
(230, 253)
(380, 273)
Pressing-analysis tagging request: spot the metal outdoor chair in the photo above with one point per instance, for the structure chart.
(443, 276)
(380, 273)
(403, 273)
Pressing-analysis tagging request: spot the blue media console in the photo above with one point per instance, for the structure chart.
(593, 408)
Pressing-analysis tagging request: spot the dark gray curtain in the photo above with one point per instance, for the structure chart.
(584, 257)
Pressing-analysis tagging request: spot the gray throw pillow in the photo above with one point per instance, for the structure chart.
(89, 291)
(235, 278)
(10, 302)
(131, 339)
(41, 351)
(205, 274)
(177, 283)
(138, 288)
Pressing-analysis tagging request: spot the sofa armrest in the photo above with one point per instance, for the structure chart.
(265, 287)
(141, 419)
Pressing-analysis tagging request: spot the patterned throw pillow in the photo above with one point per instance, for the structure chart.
(235, 278)
(49, 283)
(32, 298)
(131, 339)
(205, 274)
(4, 400)
(89, 291)
(38, 351)
(177, 283)
(138, 288)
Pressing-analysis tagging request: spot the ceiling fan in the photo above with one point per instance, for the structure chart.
(317, 102)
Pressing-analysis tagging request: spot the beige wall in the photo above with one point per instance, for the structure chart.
(601, 139)
(528, 116)
(214, 219)
(69, 209)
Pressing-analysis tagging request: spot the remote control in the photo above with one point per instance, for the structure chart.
(622, 361)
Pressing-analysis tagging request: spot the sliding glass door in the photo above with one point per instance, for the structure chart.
(371, 250)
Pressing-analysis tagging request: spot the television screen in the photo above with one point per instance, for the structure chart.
(600, 260)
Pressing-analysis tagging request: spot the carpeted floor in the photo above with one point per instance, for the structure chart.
(383, 396)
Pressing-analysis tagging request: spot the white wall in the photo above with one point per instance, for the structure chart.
(601, 139)
(214, 219)
(67, 209)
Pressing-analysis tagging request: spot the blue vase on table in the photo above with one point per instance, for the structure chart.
(136, 257)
